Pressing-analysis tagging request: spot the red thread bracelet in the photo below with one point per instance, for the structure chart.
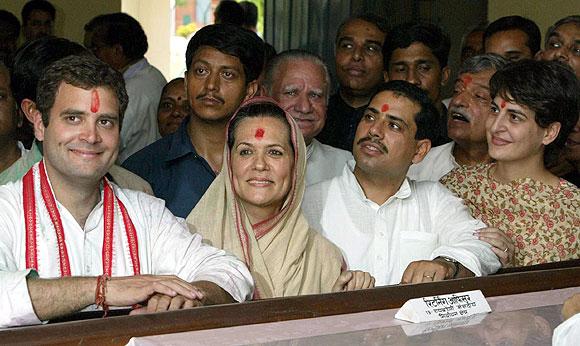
(101, 292)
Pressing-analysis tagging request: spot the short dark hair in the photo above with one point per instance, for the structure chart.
(231, 40)
(33, 58)
(566, 20)
(427, 118)
(10, 24)
(377, 21)
(516, 23)
(120, 28)
(430, 35)
(230, 12)
(483, 62)
(37, 5)
(250, 14)
(549, 88)
(255, 110)
(82, 72)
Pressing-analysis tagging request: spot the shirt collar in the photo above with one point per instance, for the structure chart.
(180, 143)
(351, 181)
(310, 148)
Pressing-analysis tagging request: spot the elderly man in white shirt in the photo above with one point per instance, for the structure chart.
(300, 82)
(69, 238)
(397, 229)
(468, 111)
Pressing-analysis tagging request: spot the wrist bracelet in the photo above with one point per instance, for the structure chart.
(101, 292)
(455, 265)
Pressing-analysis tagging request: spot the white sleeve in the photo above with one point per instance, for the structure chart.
(15, 301)
(567, 333)
(177, 251)
(455, 226)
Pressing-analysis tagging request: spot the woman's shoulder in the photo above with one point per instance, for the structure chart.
(463, 176)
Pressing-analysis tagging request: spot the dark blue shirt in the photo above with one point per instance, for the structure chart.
(175, 171)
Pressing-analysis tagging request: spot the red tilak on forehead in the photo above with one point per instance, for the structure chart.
(467, 80)
(95, 102)
(385, 108)
(502, 105)
(259, 133)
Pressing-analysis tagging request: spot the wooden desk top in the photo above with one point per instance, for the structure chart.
(118, 330)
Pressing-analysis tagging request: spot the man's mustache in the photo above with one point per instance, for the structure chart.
(213, 96)
(374, 140)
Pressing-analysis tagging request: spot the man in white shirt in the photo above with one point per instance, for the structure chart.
(69, 238)
(300, 82)
(119, 40)
(466, 117)
(397, 229)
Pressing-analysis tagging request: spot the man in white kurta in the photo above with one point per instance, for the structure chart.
(70, 239)
(421, 221)
(299, 82)
(397, 229)
(165, 247)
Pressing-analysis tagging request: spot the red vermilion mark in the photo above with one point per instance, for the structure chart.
(95, 102)
(467, 80)
(259, 133)
(385, 108)
(502, 105)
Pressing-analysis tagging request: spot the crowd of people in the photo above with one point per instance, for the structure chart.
(253, 177)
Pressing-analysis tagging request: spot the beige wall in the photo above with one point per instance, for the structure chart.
(72, 15)
(543, 12)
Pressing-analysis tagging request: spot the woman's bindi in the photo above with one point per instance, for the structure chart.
(259, 133)
(502, 105)
(95, 102)
(385, 108)
(467, 80)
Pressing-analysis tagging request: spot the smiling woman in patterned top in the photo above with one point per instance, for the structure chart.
(535, 106)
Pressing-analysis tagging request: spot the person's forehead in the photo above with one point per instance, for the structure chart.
(397, 103)
(271, 127)
(568, 30)
(416, 52)
(480, 78)
(301, 68)
(213, 56)
(361, 29)
(39, 15)
(511, 36)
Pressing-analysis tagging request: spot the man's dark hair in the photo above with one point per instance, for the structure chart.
(430, 35)
(250, 14)
(516, 23)
(255, 110)
(566, 20)
(427, 118)
(37, 5)
(33, 58)
(120, 28)
(84, 72)
(229, 12)
(549, 88)
(377, 21)
(10, 24)
(231, 40)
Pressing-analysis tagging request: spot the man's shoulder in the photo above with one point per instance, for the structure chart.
(151, 155)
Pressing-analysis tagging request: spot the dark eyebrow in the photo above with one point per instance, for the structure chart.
(517, 112)
(394, 118)
(374, 42)
(372, 109)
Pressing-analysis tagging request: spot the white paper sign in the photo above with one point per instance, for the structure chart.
(443, 307)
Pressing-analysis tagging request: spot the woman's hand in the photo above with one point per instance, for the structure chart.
(501, 244)
(352, 280)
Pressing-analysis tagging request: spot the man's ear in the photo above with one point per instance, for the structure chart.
(551, 133)
(423, 147)
(28, 107)
(251, 89)
(445, 74)
(38, 126)
(385, 76)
